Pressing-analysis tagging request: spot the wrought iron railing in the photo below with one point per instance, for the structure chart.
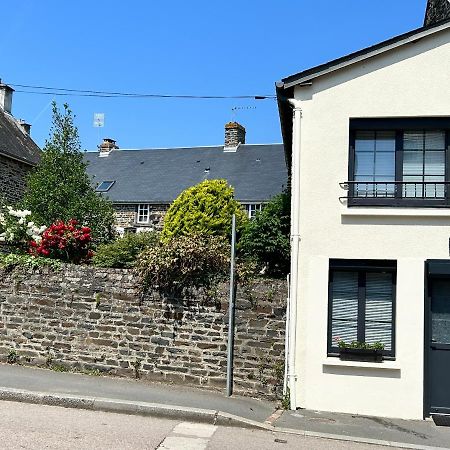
(390, 191)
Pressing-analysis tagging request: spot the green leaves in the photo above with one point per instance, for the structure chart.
(60, 188)
(185, 264)
(267, 237)
(123, 252)
(206, 208)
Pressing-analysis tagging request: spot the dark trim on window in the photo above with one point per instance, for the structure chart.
(362, 266)
(400, 123)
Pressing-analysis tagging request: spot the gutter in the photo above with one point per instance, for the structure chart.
(291, 347)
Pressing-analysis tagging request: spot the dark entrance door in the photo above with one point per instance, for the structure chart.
(438, 351)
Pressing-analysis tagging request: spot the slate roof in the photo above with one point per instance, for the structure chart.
(15, 143)
(257, 172)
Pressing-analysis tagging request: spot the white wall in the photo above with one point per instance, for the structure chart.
(411, 81)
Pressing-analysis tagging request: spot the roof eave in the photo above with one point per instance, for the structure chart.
(309, 75)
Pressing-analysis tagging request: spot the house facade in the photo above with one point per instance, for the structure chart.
(367, 138)
(143, 183)
(18, 152)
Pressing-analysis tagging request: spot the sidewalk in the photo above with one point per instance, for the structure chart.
(138, 397)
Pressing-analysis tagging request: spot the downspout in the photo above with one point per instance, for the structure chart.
(295, 244)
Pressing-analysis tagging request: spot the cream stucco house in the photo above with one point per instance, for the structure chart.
(368, 139)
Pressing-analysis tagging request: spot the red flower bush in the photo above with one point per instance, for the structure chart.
(68, 242)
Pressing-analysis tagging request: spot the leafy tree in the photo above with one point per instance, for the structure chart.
(206, 208)
(266, 237)
(60, 188)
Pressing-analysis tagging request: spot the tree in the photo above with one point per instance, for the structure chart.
(60, 189)
(205, 208)
(266, 237)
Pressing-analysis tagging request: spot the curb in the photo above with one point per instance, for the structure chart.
(214, 417)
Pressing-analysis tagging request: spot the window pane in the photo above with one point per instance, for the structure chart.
(413, 140)
(365, 141)
(379, 300)
(434, 163)
(385, 141)
(344, 299)
(413, 187)
(385, 163)
(435, 187)
(435, 140)
(364, 163)
(412, 163)
(440, 311)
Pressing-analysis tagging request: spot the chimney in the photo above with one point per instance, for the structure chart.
(234, 135)
(107, 146)
(6, 93)
(26, 127)
(437, 11)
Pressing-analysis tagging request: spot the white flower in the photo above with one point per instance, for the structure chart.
(2, 238)
(30, 224)
(20, 222)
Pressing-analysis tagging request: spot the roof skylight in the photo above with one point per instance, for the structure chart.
(105, 186)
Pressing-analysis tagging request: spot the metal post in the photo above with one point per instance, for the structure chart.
(231, 311)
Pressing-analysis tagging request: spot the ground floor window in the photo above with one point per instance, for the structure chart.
(143, 213)
(362, 303)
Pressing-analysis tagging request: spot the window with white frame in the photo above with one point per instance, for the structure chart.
(143, 213)
(252, 208)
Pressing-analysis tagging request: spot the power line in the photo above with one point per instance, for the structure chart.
(47, 90)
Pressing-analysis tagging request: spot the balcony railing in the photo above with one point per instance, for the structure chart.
(397, 193)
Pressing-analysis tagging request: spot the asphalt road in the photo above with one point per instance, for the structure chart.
(28, 426)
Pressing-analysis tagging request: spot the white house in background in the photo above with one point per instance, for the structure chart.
(368, 138)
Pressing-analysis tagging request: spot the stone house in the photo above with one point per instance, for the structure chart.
(368, 140)
(143, 183)
(18, 152)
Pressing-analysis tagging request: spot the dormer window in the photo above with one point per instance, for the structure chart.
(399, 162)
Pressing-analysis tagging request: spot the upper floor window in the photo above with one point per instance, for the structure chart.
(252, 208)
(399, 162)
(143, 213)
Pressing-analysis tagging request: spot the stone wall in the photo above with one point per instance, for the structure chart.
(96, 320)
(12, 178)
(126, 215)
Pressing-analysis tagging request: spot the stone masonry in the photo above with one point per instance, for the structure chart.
(12, 178)
(126, 215)
(90, 319)
(437, 10)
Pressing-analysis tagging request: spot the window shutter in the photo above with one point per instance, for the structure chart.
(344, 297)
(379, 302)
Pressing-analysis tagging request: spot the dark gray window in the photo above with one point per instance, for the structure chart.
(362, 303)
(399, 162)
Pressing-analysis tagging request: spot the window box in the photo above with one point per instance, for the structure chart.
(361, 354)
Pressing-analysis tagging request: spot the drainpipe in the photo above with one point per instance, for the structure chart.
(295, 244)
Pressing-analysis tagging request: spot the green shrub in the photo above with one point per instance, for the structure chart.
(184, 264)
(123, 252)
(205, 208)
(266, 237)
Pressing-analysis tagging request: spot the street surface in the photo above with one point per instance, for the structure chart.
(28, 426)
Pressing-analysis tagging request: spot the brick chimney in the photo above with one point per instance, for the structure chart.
(234, 135)
(107, 146)
(437, 11)
(6, 93)
(26, 127)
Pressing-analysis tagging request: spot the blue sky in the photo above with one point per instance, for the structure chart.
(194, 47)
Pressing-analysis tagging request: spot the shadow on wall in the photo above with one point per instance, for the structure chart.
(362, 372)
(391, 220)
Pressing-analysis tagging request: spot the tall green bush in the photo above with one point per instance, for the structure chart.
(60, 188)
(205, 208)
(266, 238)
